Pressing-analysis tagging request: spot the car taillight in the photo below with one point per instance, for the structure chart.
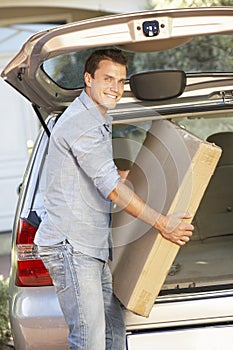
(31, 271)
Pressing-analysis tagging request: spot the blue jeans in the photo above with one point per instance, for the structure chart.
(84, 288)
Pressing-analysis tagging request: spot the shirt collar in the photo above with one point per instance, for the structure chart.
(89, 105)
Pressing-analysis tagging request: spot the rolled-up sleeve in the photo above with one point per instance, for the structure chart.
(93, 152)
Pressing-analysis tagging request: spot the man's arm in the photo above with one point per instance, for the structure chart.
(171, 227)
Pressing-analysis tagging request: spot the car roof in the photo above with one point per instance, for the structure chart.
(141, 31)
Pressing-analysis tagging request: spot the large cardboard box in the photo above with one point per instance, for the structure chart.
(171, 173)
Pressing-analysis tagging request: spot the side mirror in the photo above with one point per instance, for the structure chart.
(158, 85)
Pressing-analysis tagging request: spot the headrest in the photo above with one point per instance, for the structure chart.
(225, 141)
(158, 85)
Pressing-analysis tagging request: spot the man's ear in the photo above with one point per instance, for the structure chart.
(87, 79)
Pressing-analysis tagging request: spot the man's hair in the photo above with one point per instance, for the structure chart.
(114, 55)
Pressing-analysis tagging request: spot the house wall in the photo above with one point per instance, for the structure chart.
(96, 5)
(19, 126)
(25, 11)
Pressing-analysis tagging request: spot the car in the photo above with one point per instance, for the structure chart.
(194, 309)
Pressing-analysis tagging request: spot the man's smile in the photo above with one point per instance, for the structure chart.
(114, 97)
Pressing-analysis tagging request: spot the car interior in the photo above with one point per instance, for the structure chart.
(205, 263)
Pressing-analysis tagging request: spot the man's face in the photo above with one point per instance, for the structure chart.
(107, 86)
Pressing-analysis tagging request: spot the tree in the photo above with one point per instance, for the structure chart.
(159, 4)
(203, 53)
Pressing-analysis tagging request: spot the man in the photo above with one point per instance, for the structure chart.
(74, 238)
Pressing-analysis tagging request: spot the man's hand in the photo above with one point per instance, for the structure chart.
(174, 229)
(123, 174)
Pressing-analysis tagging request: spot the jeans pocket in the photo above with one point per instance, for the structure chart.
(53, 259)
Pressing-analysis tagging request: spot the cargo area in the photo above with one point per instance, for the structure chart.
(205, 264)
(206, 261)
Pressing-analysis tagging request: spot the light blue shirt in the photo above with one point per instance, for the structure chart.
(80, 175)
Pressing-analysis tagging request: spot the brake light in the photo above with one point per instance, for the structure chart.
(31, 271)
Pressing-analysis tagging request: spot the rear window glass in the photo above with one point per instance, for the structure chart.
(202, 54)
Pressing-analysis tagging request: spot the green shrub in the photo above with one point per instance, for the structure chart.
(5, 333)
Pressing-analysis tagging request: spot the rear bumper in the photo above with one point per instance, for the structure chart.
(192, 310)
(37, 321)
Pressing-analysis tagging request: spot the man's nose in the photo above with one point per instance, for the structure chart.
(115, 85)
